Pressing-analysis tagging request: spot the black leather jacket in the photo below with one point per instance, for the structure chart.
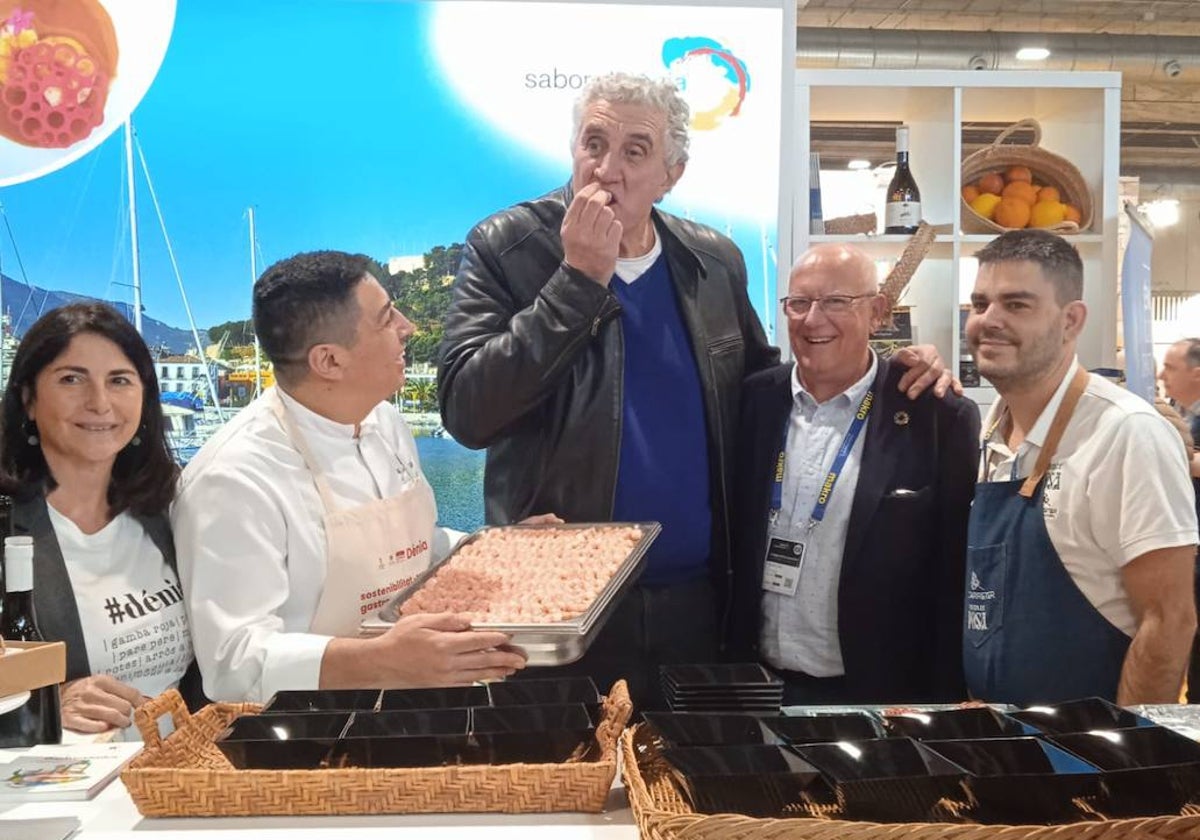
(532, 360)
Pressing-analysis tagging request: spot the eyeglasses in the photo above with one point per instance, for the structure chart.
(798, 307)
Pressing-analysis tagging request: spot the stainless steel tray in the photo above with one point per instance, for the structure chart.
(552, 643)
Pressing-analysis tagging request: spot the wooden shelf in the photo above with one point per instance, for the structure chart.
(882, 246)
(1080, 118)
(1077, 239)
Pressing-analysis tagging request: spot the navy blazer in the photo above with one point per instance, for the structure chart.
(54, 599)
(900, 597)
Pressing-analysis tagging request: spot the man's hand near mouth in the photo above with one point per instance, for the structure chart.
(591, 234)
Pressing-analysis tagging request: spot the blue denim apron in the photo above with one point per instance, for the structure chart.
(1030, 635)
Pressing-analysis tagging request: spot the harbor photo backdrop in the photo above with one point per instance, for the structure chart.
(226, 135)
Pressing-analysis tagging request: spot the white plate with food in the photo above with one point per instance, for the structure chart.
(71, 72)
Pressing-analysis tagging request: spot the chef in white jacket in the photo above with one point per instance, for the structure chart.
(309, 511)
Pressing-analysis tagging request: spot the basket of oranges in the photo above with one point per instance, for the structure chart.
(1011, 186)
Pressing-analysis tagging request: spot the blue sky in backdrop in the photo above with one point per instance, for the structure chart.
(286, 106)
(327, 116)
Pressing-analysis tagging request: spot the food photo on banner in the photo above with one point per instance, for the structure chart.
(159, 155)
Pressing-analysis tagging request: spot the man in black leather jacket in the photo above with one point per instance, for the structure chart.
(597, 347)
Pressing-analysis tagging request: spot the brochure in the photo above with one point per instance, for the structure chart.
(70, 771)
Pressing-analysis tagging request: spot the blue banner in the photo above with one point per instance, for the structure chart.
(1135, 306)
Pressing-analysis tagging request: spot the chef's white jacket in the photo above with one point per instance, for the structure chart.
(250, 539)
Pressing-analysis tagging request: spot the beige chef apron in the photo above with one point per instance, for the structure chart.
(373, 551)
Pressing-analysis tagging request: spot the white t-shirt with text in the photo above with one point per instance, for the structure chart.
(130, 605)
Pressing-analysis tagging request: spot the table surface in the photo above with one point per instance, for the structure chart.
(111, 815)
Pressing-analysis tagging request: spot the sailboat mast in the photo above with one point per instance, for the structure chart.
(253, 278)
(133, 229)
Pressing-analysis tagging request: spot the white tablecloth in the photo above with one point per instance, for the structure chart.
(111, 815)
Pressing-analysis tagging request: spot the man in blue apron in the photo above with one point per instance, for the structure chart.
(1083, 533)
(308, 512)
(1180, 375)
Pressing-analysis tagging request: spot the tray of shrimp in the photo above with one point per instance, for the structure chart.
(550, 587)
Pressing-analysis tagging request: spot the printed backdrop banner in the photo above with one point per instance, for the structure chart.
(386, 128)
(727, 62)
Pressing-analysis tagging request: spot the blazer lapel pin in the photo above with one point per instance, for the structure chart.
(900, 418)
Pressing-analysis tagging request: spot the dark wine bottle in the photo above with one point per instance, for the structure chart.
(902, 213)
(39, 721)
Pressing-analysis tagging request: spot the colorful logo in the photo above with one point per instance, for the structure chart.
(712, 78)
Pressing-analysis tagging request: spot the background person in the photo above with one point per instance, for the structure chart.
(1180, 376)
(85, 454)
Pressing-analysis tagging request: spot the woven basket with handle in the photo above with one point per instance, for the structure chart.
(902, 272)
(663, 814)
(1047, 168)
(185, 775)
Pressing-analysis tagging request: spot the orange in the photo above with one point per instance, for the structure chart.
(985, 204)
(1011, 213)
(970, 192)
(991, 183)
(1021, 190)
(1047, 214)
(1018, 173)
(1071, 214)
(1049, 194)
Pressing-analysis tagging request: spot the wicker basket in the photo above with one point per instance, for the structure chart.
(1047, 167)
(185, 775)
(662, 814)
(902, 272)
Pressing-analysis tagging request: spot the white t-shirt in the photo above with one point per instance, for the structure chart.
(1117, 488)
(631, 268)
(130, 606)
(250, 538)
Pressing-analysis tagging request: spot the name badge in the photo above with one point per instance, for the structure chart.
(781, 570)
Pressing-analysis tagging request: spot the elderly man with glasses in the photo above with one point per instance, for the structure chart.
(851, 506)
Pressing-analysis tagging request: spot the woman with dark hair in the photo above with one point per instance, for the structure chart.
(84, 452)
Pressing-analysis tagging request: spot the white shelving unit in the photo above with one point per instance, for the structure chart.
(1080, 118)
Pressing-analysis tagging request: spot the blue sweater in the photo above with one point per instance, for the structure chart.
(663, 463)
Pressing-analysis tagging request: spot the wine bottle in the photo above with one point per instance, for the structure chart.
(902, 213)
(6, 512)
(39, 721)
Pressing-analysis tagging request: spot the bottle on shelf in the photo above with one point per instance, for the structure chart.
(39, 720)
(902, 212)
(6, 512)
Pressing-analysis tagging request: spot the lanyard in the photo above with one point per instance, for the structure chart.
(835, 471)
